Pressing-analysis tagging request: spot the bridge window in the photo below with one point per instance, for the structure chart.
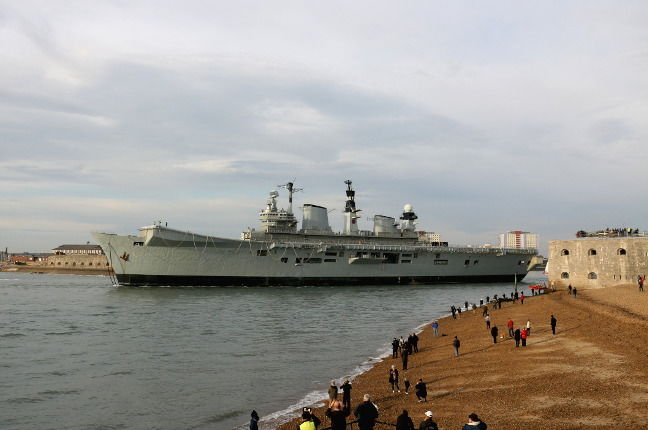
(564, 252)
(564, 275)
(621, 251)
(284, 259)
(592, 275)
(591, 252)
(262, 252)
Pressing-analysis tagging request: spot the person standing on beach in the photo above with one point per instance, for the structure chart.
(337, 414)
(485, 311)
(459, 312)
(454, 312)
(395, 346)
(333, 391)
(415, 340)
(487, 319)
(574, 291)
(428, 423)
(404, 422)
(421, 391)
(435, 327)
(367, 413)
(569, 289)
(474, 423)
(640, 281)
(528, 328)
(509, 324)
(393, 379)
(407, 385)
(456, 344)
(254, 420)
(466, 305)
(404, 356)
(553, 324)
(494, 333)
(346, 395)
(517, 336)
(308, 420)
(523, 336)
(521, 298)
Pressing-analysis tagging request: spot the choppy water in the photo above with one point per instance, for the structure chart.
(78, 353)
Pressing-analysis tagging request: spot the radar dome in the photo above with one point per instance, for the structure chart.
(408, 208)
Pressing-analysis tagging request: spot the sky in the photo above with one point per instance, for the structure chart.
(485, 116)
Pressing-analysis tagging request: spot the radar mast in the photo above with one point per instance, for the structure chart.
(291, 189)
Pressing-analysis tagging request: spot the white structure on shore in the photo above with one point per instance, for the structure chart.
(518, 239)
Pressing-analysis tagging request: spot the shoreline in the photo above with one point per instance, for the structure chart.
(556, 382)
(46, 270)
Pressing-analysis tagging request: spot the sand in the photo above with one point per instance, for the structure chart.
(593, 374)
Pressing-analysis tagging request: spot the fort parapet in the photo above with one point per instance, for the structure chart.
(597, 262)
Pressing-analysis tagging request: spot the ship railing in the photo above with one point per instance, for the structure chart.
(400, 248)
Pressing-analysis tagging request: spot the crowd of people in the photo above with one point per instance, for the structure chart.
(611, 232)
(366, 413)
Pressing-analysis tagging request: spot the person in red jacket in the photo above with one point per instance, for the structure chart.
(523, 336)
(509, 324)
(522, 298)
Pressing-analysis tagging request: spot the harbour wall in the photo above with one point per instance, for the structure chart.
(597, 262)
(70, 263)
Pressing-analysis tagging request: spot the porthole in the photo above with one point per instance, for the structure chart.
(564, 275)
(591, 252)
(621, 251)
(564, 252)
(592, 275)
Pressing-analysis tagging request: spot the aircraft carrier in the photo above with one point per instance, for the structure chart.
(280, 253)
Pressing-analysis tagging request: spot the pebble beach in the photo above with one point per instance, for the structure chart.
(593, 374)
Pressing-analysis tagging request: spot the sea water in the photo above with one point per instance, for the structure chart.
(79, 353)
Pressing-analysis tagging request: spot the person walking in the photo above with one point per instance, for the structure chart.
(569, 289)
(517, 337)
(435, 327)
(367, 413)
(456, 344)
(346, 394)
(528, 328)
(509, 324)
(428, 423)
(521, 298)
(404, 422)
(254, 420)
(487, 318)
(337, 413)
(574, 291)
(404, 356)
(406, 382)
(421, 391)
(523, 336)
(494, 333)
(454, 312)
(640, 281)
(393, 379)
(333, 391)
(485, 311)
(474, 423)
(554, 321)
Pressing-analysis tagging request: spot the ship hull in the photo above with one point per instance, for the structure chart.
(161, 257)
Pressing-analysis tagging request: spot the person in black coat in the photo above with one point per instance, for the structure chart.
(404, 355)
(516, 336)
(421, 391)
(346, 394)
(428, 423)
(254, 421)
(404, 422)
(474, 423)
(337, 413)
(554, 321)
(494, 333)
(415, 340)
(395, 346)
(366, 413)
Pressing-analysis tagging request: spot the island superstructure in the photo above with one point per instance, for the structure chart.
(280, 253)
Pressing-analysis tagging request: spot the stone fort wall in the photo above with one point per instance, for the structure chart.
(597, 262)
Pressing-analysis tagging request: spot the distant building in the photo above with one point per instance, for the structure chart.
(590, 262)
(518, 239)
(78, 249)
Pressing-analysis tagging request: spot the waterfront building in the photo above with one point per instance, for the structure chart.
(593, 261)
(518, 239)
(86, 249)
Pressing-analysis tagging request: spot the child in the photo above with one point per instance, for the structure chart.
(407, 385)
